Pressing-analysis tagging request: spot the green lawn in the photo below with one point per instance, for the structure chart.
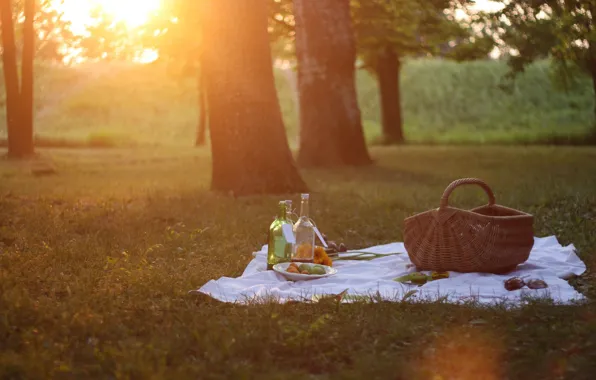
(444, 102)
(96, 262)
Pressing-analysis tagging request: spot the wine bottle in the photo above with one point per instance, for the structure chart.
(289, 211)
(279, 247)
(304, 247)
(290, 222)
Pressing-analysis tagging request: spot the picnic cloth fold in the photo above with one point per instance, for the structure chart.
(549, 261)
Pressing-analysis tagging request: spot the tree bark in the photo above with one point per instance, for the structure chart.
(594, 88)
(26, 146)
(202, 125)
(11, 77)
(330, 122)
(19, 96)
(388, 72)
(249, 146)
(592, 61)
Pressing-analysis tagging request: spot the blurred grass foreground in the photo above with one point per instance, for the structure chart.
(124, 104)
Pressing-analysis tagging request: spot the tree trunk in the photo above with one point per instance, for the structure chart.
(592, 64)
(330, 123)
(249, 146)
(592, 68)
(202, 125)
(388, 71)
(11, 77)
(594, 88)
(27, 101)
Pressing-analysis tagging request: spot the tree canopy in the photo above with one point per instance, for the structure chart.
(560, 29)
(415, 28)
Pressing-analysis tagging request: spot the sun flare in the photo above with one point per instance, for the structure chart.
(133, 13)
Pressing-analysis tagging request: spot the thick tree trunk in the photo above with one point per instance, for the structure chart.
(594, 88)
(592, 63)
(248, 139)
(388, 71)
(330, 124)
(202, 125)
(27, 100)
(11, 77)
(592, 67)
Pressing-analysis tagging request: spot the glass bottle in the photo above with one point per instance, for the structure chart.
(279, 249)
(289, 211)
(290, 221)
(304, 248)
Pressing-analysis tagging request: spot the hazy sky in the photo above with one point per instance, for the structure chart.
(136, 12)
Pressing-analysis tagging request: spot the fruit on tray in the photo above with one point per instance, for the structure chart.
(321, 257)
(303, 252)
(536, 284)
(514, 283)
(293, 269)
(306, 269)
(439, 275)
(418, 278)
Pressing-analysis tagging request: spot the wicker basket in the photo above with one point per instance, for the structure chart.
(491, 238)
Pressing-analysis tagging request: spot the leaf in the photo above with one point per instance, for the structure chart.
(414, 278)
(330, 297)
(409, 294)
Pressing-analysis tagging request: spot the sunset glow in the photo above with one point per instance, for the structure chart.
(133, 13)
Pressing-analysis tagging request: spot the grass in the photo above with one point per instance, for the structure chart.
(448, 102)
(97, 260)
(443, 102)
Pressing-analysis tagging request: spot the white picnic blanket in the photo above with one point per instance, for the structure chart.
(548, 261)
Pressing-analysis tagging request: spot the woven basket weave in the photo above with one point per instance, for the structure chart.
(490, 238)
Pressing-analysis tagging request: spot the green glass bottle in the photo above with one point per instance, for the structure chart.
(290, 221)
(279, 248)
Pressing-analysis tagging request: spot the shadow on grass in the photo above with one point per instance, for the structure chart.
(584, 139)
(377, 172)
(98, 141)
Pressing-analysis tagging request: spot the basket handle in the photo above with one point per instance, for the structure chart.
(467, 181)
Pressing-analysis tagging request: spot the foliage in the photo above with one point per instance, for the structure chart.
(97, 261)
(54, 35)
(445, 101)
(281, 29)
(176, 33)
(414, 28)
(109, 39)
(563, 30)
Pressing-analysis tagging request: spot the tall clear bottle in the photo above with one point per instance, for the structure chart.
(304, 248)
(279, 247)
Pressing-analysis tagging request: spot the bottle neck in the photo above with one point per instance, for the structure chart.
(304, 208)
(282, 212)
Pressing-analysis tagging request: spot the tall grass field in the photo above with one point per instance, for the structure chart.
(127, 104)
